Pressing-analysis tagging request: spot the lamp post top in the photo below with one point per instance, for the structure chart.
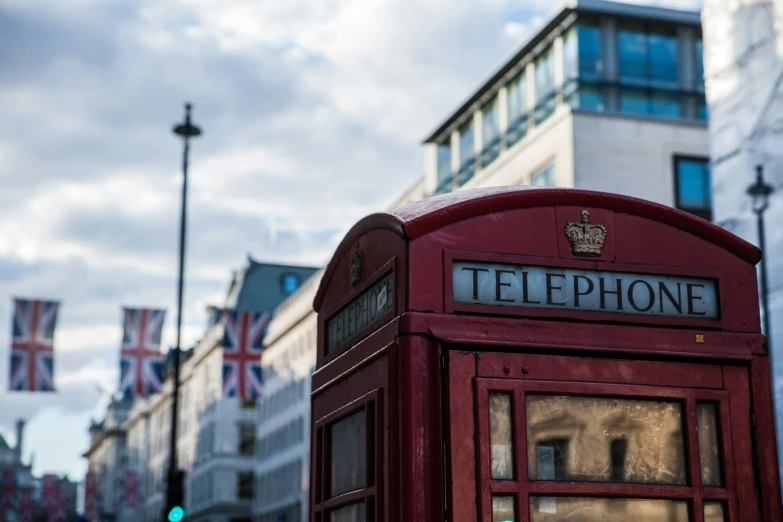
(760, 191)
(187, 130)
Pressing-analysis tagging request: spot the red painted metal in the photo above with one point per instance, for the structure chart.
(428, 365)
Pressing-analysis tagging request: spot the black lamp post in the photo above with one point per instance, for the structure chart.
(175, 485)
(759, 193)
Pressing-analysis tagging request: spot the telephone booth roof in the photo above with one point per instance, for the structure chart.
(421, 243)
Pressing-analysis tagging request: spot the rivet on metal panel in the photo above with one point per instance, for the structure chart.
(506, 370)
(525, 370)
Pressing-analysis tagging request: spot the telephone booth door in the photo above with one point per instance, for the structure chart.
(565, 438)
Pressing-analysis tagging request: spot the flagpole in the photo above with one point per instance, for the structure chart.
(174, 490)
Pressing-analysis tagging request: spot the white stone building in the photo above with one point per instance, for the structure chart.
(743, 59)
(283, 447)
(107, 456)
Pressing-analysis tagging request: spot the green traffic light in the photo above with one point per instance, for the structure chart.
(176, 514)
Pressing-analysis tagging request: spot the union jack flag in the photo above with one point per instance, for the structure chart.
(140, 359)
(7, 493)
(243, 336)
(32, 345)
(131, 489)
(50, 492)
(25, 505)
(91, 497)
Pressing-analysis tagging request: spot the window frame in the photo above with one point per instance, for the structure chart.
(252, 476)
(699, 212)
(522, 488)
(322, 504)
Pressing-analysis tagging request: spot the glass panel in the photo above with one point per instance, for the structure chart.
(595, 439)
(466, 145)
(713, 512)
(709, 447)
(444, 161)
(544, 76)
(566, 509)
(633, 102)
(665, 105)
(693, 177)
(663, 59)
(571, 55)
(590, 53)
(516, 98)
(500, 436)
(349, 454)
(700, 64)
(350, 513)
(489, 122)
(545, 177)
(503, 509)
(632, 46)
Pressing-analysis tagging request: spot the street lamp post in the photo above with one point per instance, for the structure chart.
(174, 490)
(759, 193)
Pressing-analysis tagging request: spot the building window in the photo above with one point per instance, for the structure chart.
(516, 96)
(444, 161)
(490, 132)
(544, 177)
(467, 155)
(699, 64)
(693, 186)
(647, 57)
(247, 439)
(582, 52)
(545, 86)
(290, 283)
(245, 485)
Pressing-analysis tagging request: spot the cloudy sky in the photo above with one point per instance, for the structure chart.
(312, 112)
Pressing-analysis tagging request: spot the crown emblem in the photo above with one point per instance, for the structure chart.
(587, 239)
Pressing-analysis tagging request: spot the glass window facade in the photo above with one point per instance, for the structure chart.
(444, 161)
(490, 132)
(693, 186)
(466, 146)
(516, 99)
(545, 85)
(544, 177)
(583, 66)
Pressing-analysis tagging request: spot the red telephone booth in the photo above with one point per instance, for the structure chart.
(540, 355)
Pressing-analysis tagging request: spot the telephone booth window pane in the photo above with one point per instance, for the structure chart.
(713, 512)
(348, 454)
(563, 509)
(595, 439)
(500, 436)
(503, 509)
(350, 513)
(709, 447)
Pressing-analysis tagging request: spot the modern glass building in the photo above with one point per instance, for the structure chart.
(606, 96)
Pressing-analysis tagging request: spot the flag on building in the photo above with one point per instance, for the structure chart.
(91, 497)
(50, 492)
(25, 505)
(243, 336)
(57, 513)
(32, 345)
(131, 489)
(7, 493)
(141, 363)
